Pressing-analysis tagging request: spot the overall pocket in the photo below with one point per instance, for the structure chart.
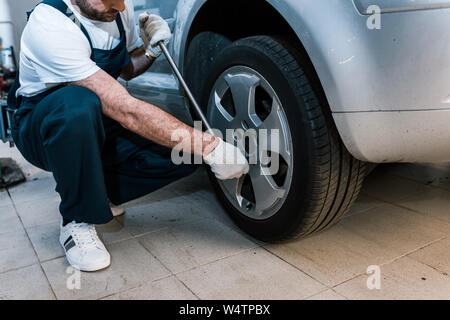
(25, 140)
(18, 115)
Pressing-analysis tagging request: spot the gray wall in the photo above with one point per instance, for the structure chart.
(19, 17)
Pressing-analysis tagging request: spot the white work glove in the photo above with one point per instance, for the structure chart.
(153, 30)
(227, 161)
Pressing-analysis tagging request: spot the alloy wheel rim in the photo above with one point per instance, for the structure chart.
(241, 98)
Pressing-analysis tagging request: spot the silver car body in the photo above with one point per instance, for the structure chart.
(388, 88)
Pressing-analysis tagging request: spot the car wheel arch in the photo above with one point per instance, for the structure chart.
(202, 21)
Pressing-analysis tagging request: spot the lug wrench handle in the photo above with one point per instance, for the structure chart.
(185, 87)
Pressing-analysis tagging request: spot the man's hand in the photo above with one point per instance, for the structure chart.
(227, 161)
(153, 30)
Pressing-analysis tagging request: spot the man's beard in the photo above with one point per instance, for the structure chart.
(93, 13)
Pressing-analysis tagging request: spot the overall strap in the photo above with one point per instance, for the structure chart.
(120, 25)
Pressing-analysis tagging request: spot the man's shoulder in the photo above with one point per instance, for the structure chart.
(48, 13)
(50, 32)
(45, 19)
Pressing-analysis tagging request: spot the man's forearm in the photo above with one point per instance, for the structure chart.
(146, 119)
(161, 127)
(138, 65)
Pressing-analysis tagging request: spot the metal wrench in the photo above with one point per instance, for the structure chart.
(185, 87)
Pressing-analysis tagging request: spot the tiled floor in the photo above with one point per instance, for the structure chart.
(178, 243)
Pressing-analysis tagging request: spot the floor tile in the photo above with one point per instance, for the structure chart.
(391, 188)
(433, 174)
(15, 251)
(158, 215)
(209, 206)
(163, 194)
(333, 256)
(165, 289)
(436, 255)
(32, 173)
(400, 222)
(402, 279)
(45, 239)
(362, 204)
(34, 190)
(435, 203)
(24, 284)
(374, 237)
(131, 265)
(253, 274)
(183, 247)
(9, 221)
(112, 232)
(5, 200)
(398, 229)
(426, 173)
(39, 211)
(327, 295)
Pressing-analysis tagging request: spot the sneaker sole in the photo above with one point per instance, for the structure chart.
(102, 266)
(90, 268)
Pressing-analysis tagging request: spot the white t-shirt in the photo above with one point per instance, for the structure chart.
(54, 50)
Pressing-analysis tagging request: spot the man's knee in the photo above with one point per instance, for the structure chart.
(76, 109)
(72, 97)
(81, 100)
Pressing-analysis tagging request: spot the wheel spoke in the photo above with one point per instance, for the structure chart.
(277, 141)
(221, 119)
(233, 187)
(243, 90)
(265, 190)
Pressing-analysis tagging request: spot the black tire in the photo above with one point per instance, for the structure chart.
(326, 178)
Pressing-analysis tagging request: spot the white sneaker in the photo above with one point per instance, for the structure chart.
(83, 248)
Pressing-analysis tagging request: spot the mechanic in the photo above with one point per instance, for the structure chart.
(77, 121)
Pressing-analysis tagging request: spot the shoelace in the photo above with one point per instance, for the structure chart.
(85, 235)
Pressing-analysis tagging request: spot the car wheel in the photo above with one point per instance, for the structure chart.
(258, 83)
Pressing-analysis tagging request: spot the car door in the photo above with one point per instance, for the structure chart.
(158, 85)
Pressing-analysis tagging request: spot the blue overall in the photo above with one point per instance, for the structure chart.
(91, 156)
